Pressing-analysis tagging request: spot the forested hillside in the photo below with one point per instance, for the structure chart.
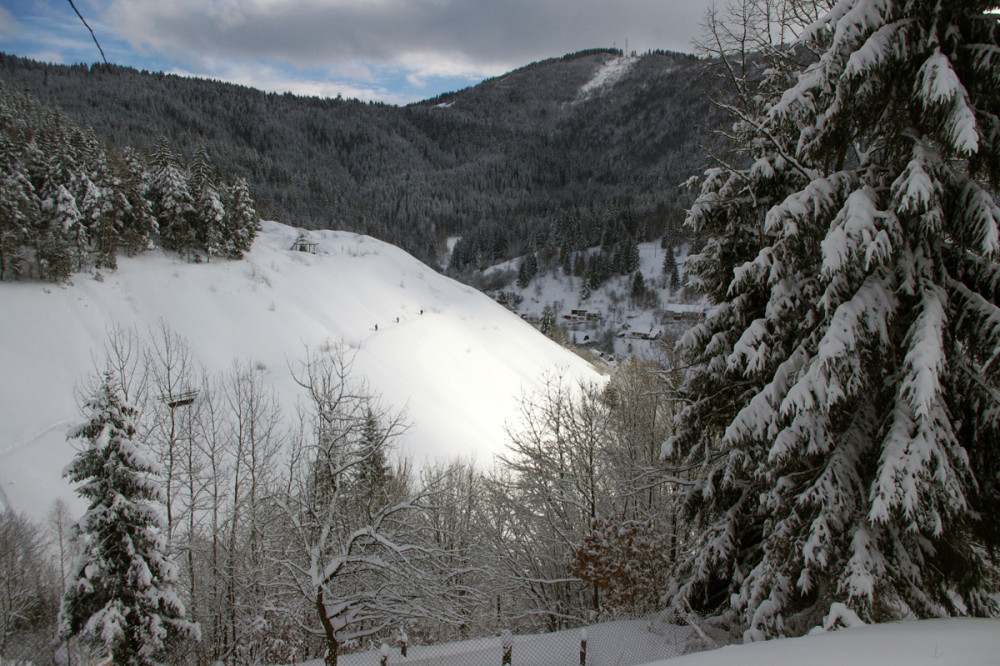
(593, 138)
(68, 205)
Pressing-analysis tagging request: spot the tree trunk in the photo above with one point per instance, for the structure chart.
(332, 645)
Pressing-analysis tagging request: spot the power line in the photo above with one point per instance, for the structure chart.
(91, 30)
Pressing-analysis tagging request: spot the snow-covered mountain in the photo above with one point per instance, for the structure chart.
(457, 361)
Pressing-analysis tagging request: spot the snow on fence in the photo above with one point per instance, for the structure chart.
(619, 643)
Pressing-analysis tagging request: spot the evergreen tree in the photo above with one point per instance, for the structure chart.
(52, 232)
(638, 286)
(626, 257)
(120, 594)
(138, 222)
(209, 212)
(527, 270)
(242, 223)
(566, 259)
(547, 324)
(172, 203)
(670, 268)
(843, 400)
(102, 206)
(18, 207)
(374, 475)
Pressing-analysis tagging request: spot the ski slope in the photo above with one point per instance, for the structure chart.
(606, 77)
(457, 362)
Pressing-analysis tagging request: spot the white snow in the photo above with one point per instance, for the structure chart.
(956, 642)
(622, 642)
(459, 368)
(610, 73)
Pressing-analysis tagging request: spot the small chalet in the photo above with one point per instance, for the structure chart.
(303, 244)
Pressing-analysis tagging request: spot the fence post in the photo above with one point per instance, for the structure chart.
(507, 639)
(404, 641)
(384, 651)
(583, 647)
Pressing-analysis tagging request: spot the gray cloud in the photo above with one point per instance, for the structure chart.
(422, 36)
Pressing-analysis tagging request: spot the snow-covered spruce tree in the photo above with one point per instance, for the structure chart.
(171, 199)
(120, 594)
(241, 223)
(844, 398)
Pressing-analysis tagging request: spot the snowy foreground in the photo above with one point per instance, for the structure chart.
(455, 360)
(956, 642)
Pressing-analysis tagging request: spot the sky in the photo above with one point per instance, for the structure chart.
(394, 51)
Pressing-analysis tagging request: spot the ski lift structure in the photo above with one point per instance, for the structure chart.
(185, 397)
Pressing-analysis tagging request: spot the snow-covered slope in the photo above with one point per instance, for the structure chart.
(607, 76)
(455, 359)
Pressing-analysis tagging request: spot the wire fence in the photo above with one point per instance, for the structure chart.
(617, 643)
(622, 642)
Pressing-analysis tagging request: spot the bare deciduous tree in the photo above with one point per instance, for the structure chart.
(368, 556)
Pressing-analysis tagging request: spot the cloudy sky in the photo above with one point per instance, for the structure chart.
(395, 51)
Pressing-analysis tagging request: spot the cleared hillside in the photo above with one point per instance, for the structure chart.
(455, 360)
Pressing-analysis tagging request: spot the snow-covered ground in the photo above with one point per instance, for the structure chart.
(955, 642)
(623, 643)
(457, 361)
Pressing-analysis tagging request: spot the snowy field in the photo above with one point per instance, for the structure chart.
(622, 643)
(455, 360)
(951, 642)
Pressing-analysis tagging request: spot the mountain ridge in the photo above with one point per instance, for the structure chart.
(513, 153)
